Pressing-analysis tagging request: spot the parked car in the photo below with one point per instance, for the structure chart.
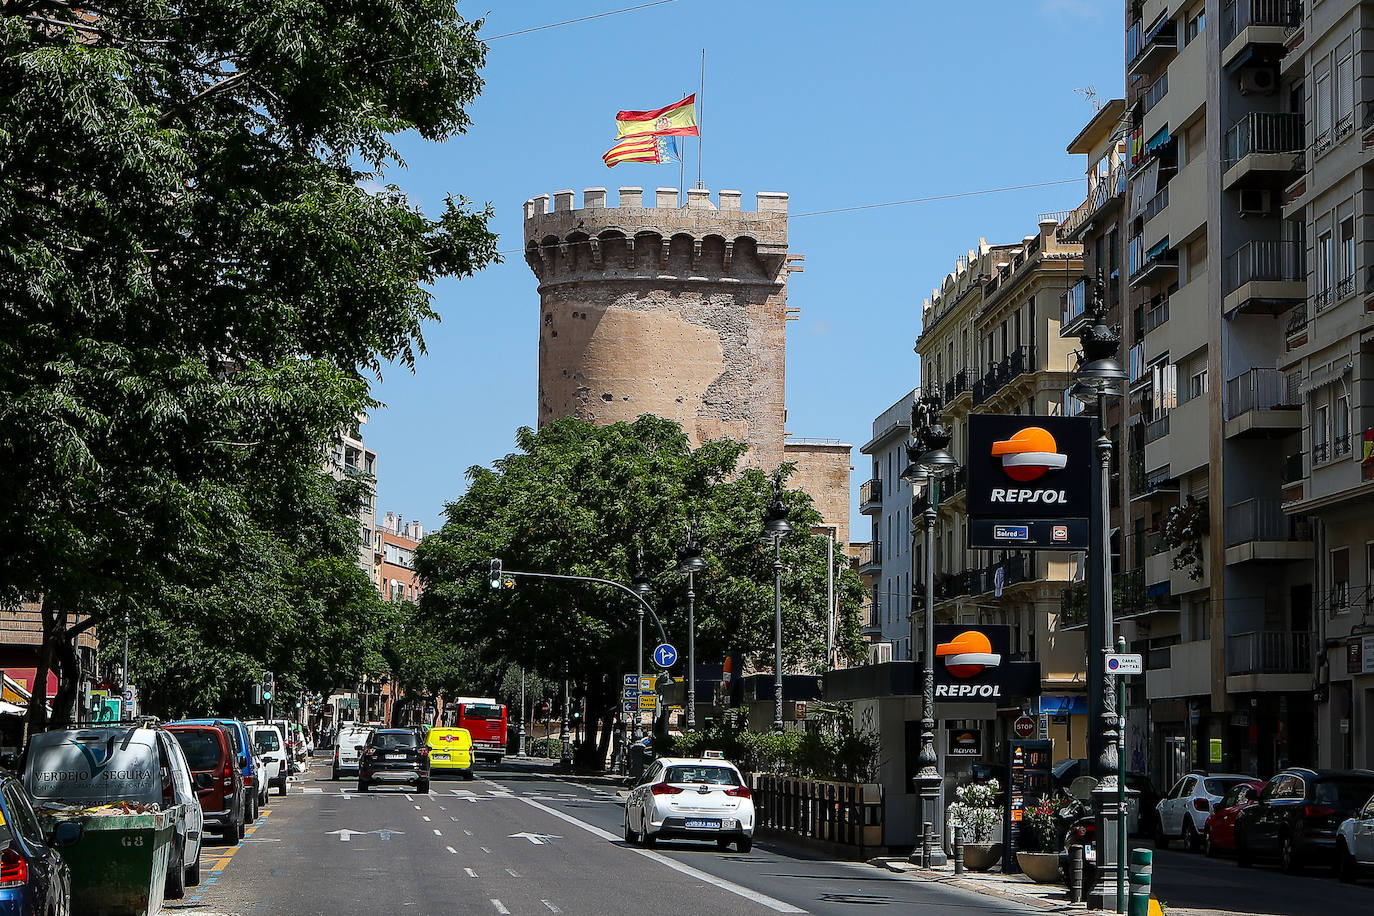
(346, 749)
(1219, 832)
(1142, 805)
(34, 880)
(1297, 815)
(242, 744)
(699, 798)
(450, 751)
(271, 750)
(394, 755)
(1182, 814)
(219, 782)
(295, 745)
(111, 764)
(1355, 844)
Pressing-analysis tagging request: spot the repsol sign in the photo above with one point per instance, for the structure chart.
(967, 691)
(973, 664)
(1029, 467)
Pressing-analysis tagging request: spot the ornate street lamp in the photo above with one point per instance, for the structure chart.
(639, 581)
(1100, 376)
(689, 561)
(928, 453)
(776, 526)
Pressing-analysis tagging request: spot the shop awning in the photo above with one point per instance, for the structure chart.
(1063, 706)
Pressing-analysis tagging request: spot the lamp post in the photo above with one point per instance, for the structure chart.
(639, 581)
(1099, 376)
(689, 561)
(928, 452)
(520, 741)
(776, 526)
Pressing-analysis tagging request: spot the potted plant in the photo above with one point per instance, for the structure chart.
(1041, 842)
(977, 813)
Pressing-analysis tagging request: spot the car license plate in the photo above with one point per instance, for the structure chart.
(441, 756)
(395, 756)
(703, 823)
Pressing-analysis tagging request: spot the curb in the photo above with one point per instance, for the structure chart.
(1002, 888)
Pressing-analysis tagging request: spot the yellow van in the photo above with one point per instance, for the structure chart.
(450, 751)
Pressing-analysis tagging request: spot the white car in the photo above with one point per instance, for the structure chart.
(346, 753)
(1355, 845)
(696, 798)
(1184, 811)
(271, 750)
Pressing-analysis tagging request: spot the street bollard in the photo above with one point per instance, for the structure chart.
(927, 834)
(1141, 877)
(1076, 874)
(959, 850)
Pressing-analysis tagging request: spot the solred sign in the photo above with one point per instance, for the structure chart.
(1029, 482)
(973, 665)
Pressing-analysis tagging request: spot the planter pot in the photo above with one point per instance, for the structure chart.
(1040, 867)
(982, 856)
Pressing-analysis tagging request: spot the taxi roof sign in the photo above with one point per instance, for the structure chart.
(713, 755)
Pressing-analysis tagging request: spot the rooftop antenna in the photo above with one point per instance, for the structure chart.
(1089, 94)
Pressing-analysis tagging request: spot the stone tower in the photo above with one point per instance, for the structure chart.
(668, 310)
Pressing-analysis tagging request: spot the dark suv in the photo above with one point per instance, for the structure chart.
(394, 755)
(1297, 815)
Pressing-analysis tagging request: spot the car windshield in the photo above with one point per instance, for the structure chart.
(201, 747)
(267, 740)
(393, 740)
(1344, 794)
(697, 773)
(1215, 786)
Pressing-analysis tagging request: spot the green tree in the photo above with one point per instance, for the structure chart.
(582, 499)
(195, 289)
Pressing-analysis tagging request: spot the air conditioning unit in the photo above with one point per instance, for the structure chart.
(1255, 202)
(879, 652)
(1259, 81)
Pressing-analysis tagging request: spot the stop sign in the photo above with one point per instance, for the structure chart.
(1023, 727)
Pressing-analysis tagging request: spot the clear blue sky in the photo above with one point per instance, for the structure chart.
(839, 105)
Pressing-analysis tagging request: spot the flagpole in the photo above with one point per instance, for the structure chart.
(701, 94)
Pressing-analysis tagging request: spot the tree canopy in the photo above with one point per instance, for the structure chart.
(584, 500)
(196, 290)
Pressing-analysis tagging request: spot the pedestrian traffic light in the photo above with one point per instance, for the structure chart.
(495, 573)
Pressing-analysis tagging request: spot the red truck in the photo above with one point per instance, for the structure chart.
(485, 720)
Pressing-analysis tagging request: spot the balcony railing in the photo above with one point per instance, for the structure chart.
(1157, 315)
(1141, 258)
(957, 482)
(1075, 302)
(1106, 189)
(1237, 15)
(1263, 520)
(871, 493)
(1264, 132)
(1158, 89)
(1157, 203)
(1141, 43)
(1267, 261)
(1157, 429)
(1073, 606)
(1257, 389)
(1340, 446)
(1298, 320)
(1345, 286)
(872, 555)
(1292, 470)
(1269, 652)
(957, 385)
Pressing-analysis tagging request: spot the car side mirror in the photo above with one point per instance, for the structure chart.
(205, 780)
(67, 833)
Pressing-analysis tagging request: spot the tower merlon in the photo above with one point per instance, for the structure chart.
(631, 198)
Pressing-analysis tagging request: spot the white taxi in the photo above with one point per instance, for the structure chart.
(695, 798)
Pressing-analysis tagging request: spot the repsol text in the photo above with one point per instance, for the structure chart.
(965, 691)
(1044, 497)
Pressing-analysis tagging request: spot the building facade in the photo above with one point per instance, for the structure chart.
(886, 565)
(394, 544)
(351, 458)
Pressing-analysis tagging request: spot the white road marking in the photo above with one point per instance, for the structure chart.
(513, 873)
(409, 799)
(500, 907)
(416, 807)
(485, 849)
(436, 832)
(312, 790)
(424, 817)
(452, 850)
(748, 894)
(470, 872)
(552, 908)
(466, 832)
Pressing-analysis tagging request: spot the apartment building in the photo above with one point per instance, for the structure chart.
(393, 545)
(351, 458)
(885, 562)
(990, 343)
(1323, 58)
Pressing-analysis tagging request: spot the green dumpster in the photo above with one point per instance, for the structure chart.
(119, 866)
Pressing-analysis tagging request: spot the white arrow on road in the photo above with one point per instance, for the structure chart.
(538, 839)
(345, 834)
(387, 833)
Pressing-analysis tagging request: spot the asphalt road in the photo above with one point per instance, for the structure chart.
(1196, 883)
(520, 842)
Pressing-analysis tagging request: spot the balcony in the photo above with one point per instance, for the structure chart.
(1073, 607)
(1261, 149)
(1146, 263)
(1265, 277)
(1257, 530)
(956, 483)
(1188, 674)
(1007, 370)
(1157, 429)
(1104, 191)
(1136, 599)
(1269, 660)
(1074, 307)
(871, 496)
(1147, 48)
(956, 386)
(1261, 402)
(1295, 333)
(955, 585)
(1248, 23)
(1155, 94)
(1155, 205)
(871, 558)
(1156, 315)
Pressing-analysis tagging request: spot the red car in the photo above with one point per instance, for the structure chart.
(1219, 830)
(219, 781)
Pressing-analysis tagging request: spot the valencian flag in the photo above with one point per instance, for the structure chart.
(679, 120)
(647, 148)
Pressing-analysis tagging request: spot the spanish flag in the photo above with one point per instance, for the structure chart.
(647, 148)
(679, 120)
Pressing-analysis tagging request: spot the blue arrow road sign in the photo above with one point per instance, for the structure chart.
(665, 655)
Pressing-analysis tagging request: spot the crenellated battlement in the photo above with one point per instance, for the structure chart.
(703, 239)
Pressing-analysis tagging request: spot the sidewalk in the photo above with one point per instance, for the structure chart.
(1018, 889)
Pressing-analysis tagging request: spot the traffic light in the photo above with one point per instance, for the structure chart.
(267, 686)
(495, 573)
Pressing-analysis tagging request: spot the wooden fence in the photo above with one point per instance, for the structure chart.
(846, 814)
